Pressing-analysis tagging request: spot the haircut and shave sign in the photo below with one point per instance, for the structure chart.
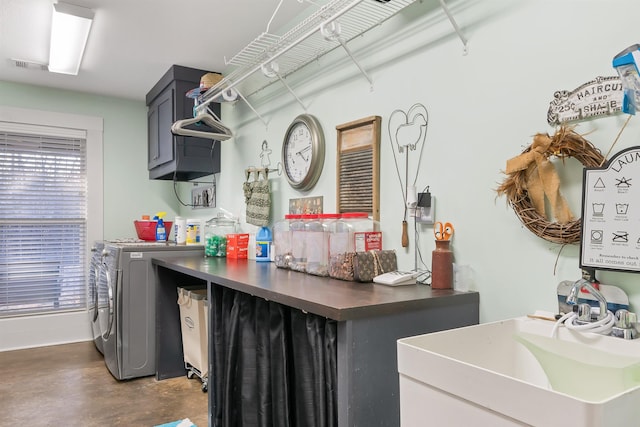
(599, 97)
(611, 214)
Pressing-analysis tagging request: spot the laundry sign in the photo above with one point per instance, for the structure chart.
(599, 97)
(610, 214)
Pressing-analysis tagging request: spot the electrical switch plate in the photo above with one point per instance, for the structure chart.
(203, 197)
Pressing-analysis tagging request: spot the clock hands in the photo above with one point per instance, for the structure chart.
(304, 150)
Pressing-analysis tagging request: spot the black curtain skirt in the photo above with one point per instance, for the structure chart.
(273, 365)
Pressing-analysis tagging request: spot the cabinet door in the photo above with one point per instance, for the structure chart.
(152, 129)
(160, 136)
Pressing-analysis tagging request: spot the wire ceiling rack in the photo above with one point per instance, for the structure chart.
(269, 57)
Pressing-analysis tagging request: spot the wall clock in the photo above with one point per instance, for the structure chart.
(303, 152)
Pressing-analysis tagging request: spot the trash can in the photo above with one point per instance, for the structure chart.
(194, 327)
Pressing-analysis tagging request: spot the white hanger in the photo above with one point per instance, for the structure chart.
(218, 131)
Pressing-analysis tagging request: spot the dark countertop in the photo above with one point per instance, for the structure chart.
(331, 298)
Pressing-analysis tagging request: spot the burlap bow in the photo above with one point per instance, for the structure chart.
(542, 179)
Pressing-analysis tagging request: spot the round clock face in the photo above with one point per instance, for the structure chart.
(303, 152)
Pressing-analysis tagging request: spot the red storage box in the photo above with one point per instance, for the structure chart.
(238, 246)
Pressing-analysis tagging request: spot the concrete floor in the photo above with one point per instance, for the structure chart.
(70, 385)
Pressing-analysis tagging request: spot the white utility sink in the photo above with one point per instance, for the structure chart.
(488, 375)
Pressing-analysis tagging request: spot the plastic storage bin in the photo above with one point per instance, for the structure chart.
(194, 327)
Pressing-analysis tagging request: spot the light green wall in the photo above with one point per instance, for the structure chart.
(484, 107)
(128, 192)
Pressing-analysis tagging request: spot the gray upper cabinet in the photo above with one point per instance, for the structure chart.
(182, 158)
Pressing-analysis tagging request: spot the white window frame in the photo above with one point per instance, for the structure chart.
(52, 329)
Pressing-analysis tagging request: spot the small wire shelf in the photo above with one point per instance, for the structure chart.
(301, 45)
(270, 58)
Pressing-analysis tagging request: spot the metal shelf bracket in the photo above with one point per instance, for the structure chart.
(465, 41)
(332, 32)
(271, 70)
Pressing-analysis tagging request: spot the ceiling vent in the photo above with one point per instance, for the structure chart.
(29, 65)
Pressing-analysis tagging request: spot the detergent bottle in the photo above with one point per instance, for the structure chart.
(263, 244)
(161, 232)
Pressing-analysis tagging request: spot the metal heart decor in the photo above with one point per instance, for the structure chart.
(408, 129)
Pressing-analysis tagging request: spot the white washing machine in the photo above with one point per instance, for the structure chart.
(126, 304)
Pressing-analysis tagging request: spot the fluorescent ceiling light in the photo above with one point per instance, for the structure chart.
(69, 32)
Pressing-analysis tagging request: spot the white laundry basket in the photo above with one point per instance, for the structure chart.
(194, 327)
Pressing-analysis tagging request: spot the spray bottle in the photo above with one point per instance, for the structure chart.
(626, 64)
(161, 232)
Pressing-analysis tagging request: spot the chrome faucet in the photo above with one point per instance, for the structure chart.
(578, 285)
(625, 325)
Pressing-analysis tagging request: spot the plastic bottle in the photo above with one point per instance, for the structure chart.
(194, 231)
(180, 231)
(161, 232)
(263, 244)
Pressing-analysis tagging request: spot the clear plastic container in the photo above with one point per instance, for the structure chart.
(313, 237)
(282, 242)
(298, 256)
(317, 232)
(216, 230)
(340, 238)
(330, 221)
(361, 232)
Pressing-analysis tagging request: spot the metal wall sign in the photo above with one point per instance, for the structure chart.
(610, 214)
(599, 97)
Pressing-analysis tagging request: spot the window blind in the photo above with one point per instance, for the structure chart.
(43, 224)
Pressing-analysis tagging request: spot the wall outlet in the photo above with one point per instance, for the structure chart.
(203, 197)
(426, 214)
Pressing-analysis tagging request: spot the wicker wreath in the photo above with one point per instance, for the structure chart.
(565, 143)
